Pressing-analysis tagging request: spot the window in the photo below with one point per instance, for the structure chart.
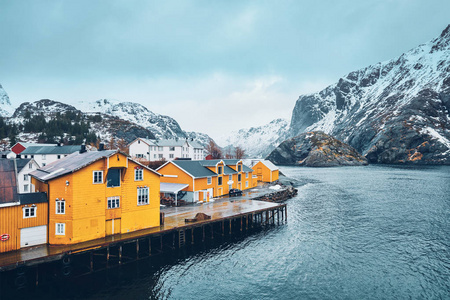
(230, 177)
(219, 170)
(239, 177)
(239, 168)
(246, 175)
(25, 187)
(142, 195)
(32, 156)
(160, 148)
(26, 156)
(97, 177)
(160, 156)
(30, 166)
(154, 155)
(139, 155)
(138, 174)
(171, 148)
(58, 156)
(113, 202)
(25, 177)
(60, 207)
(246, 184)
(170, 155)
(43, 157)
(219, 181)
(113, 178)
(60, 229)
(139, 142)
(209, 180)
(44, 164)
(29, 212)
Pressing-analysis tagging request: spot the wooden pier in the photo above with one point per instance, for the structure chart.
(27, 267)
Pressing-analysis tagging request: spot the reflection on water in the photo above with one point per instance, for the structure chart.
(353, 233)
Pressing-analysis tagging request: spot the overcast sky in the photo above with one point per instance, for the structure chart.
(214, 66)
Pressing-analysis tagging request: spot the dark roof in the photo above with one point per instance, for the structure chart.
(228, 171)
(8, 183)
(246, 169)
(70, 164)
(209, 162)
(194, 167)
(33, 150)
(31, 198)
(21, 163)
(231, 161)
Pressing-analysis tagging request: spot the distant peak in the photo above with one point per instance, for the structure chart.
(446, 33)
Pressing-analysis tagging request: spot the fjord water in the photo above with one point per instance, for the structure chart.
(375, 232)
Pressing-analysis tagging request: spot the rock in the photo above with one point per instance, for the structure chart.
(316, 149)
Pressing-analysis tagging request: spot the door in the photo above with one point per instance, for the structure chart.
(112, 227)
(33, 236)
(196, 197)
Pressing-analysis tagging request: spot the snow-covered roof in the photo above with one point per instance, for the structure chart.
(267, 163)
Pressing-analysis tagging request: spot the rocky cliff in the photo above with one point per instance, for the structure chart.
(391, 112)
(316, 149)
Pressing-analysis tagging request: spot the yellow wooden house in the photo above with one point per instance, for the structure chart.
(98, 193)
(23, 217)
(265, 170)
(206, 179)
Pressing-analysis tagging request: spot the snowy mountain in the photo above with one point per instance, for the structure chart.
(259, 141)
(392, 112)
(119, 120)
(161, 126)
(6, 108)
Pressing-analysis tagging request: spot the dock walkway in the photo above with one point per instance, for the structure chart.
(222, 209)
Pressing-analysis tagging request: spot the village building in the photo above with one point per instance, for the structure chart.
(166, 149)
(264, 169)
(23, 217)
(19, 147)
(98, 193)
(206, 179)
(43, 155)
(24, 167)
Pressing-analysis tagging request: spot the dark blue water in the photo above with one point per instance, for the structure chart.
(353, 233)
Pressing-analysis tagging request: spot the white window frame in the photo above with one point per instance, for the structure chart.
(239, 179)
(31, 212)
(160, 156)
(30, 166)
(60, 228)
(44, 157)
(230, 177)
(246, 184)
(113, 202)
(221, 179)
(60, 207)
(25, 177)
(246, 175)
(171, 155)
(209, 181)
(143, 196)
(239, 167)
(138, 172)
(26, 187)
(93, 177)
(219, 170)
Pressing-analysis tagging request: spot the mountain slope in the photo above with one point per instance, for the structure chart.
(6, 108)
(259, 141)
(392, 112)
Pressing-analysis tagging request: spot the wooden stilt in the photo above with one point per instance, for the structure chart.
(91, 267)
(149, 246)
(107, 256)
(203, 229)
(223, 228)
(137, 249)
(120, 254)
(192, 233)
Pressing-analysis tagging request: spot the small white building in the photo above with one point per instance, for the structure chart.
(24, 167)
(166, 149)
(44, 155)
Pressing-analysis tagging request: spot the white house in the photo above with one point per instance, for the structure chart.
(24, 167)
(44, 155)
(167, 149)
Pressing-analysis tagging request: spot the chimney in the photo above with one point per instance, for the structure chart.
(3, 155)
(83, 149)
(101, 147)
